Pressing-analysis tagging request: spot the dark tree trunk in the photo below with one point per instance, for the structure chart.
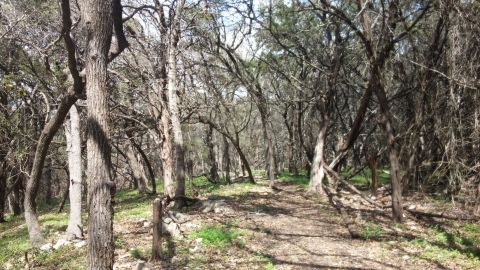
(226, 159)
(213, 172)
(47, 178)
(3, 186)
(98, 22)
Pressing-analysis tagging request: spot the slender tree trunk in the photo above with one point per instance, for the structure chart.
(386, 123)
(317, 172)
(137, 168)
(98, 22)
(74, 152)
(3, 186)
(213, 174)
(270, 151)
(372, 161)
(147, 163)
(226, 159)
(15, 197)
(157, 230)
(47, 178)
(33, 183)
(244, 161)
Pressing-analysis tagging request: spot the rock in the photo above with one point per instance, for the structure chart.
(412, 207)
(141, 265)
(169, 227)
(80, 244)
(195, 249)
(8, 265)
(147, 224)
(141, 220)
(216, 206)
(46, 247)
(61, 242)
(405, 257)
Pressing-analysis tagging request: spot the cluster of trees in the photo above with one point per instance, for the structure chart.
(99, 95)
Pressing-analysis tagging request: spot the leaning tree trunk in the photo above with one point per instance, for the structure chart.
(137, 168)
(317, 172)
(386, 123)
(98, 22)
(74, 152)
(33, 182)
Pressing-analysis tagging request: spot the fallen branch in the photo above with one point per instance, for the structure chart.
(441, 215)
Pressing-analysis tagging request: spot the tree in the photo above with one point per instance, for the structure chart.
(74, 152)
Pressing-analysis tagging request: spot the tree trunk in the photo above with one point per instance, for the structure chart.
(317, 172)
(98, 22)
(74, 152)
(213, 174)
(372, 161)
(147, 163)
(270, 151)
(47, 179)
(386, 123)
(3, 186)
(157, 230)
(166, 145)
(137, 168)
(173, 104)
(226, 159)
(15, 197)
(33, 183)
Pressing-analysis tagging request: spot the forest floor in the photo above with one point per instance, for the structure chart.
(254, 227)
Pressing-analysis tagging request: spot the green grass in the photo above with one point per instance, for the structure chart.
(266, 260)
(460, 245)
(130, 205)
(301, 179)
(364, 178)
(216, 235)
(66, 257)
(371, 231)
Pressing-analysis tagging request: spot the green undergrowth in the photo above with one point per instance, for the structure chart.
(217, 235)
(364, 178)
(300, 179)
(459, 244)
(371, 230)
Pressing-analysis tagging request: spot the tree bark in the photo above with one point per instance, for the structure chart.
(3, 186)
(226, 159)
(74, 152)
(33, 183)
(157, 230)
(213, 174)
(270, 151)
(137, 168)
(47, 178)
(386, 123)
(174, 103)
(98, 26)
(166, 145)
(317, 173)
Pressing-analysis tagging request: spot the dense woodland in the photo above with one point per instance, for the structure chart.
(103, 96)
